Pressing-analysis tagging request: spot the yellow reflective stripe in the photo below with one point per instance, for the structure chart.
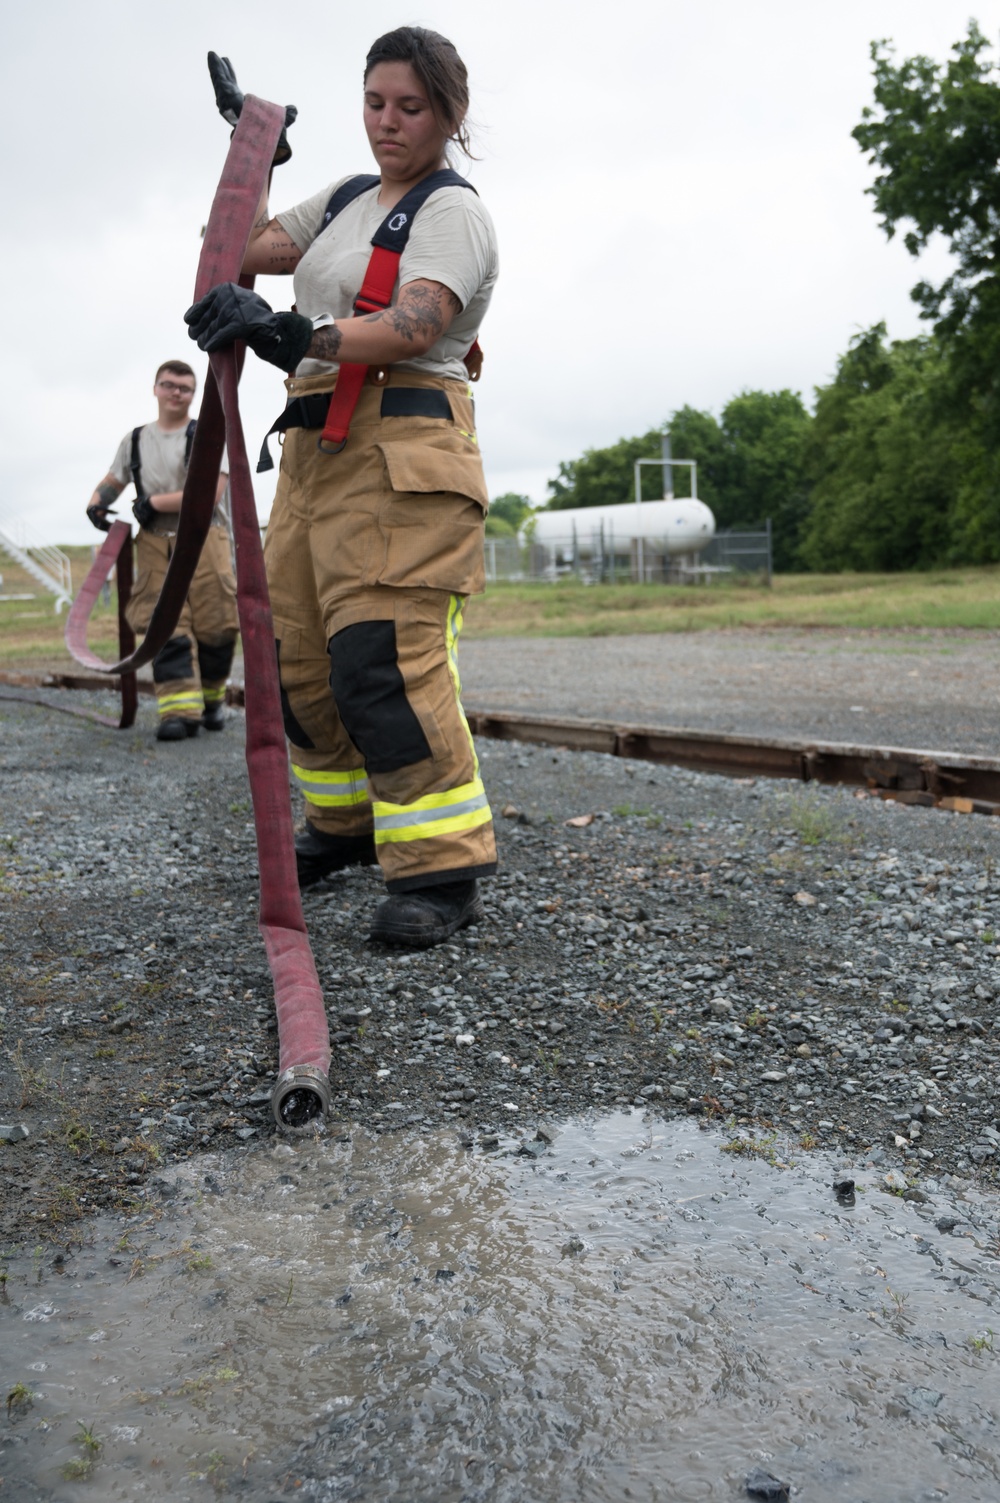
(462, 808)
(330, 790)
(456, 618)
(212, 696)
(411, 813)
(171, 703)
(466, 434)
(435, 827)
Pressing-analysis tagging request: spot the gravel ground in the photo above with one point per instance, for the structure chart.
(805, 959)
(934, 690)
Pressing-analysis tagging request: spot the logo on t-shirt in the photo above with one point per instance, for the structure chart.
(397, 221)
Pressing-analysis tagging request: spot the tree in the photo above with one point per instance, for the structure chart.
(605, 477)
(511, 509)
(882, 459)
(935, 135)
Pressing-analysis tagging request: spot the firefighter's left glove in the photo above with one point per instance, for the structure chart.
(99, 516)
(145, 512)
(230, 312)
(229, 101)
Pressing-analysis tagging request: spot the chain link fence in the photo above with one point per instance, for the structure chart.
(745, 555)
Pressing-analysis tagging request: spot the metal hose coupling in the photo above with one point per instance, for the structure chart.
(301, 1095)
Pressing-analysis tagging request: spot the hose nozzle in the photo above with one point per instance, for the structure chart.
(301, 1095)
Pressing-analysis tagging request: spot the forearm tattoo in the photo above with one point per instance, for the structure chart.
(326, 344)
(108, 494)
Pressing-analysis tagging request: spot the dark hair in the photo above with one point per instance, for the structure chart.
(177, 368)
(441, 71)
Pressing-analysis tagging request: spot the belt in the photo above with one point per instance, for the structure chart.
(397, 401)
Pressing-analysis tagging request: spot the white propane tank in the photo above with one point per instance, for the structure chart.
(671, 526)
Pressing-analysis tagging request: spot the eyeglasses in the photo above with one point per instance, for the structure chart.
(184, 391)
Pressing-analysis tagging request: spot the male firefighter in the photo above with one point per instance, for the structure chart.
(191, 670)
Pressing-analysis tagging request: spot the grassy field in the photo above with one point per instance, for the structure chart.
(947, 598)
(31, 634)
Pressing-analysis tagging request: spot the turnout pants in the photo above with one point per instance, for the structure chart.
(370, 556)
(189, 671)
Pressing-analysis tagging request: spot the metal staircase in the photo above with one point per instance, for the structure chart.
(45, 563)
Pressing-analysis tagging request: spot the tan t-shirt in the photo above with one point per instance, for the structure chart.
(162, 468)
(452, 242)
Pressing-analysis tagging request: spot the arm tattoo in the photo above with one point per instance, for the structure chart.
(108, 494)
(326, 344)
(263, 222)
(418, 314)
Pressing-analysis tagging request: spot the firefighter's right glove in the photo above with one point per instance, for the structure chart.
(231, 312)
(98, 515)
(229, 99)
(145, 512)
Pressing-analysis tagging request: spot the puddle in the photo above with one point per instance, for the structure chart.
(635, 1314)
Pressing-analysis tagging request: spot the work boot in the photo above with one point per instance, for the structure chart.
(213, 716)
(318, 855)
(176, 728)
(427, 915)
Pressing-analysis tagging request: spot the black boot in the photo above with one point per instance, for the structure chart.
(317, 854)
(213, 716)
(176, 728)
(427, 915)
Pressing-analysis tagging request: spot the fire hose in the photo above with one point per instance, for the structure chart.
(302, 1090)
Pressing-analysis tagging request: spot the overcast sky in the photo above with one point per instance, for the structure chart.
(679, 204)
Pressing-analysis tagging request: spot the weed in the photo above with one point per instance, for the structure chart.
(898, 1300)
(241, 806)
(77, 1468)
(104, 1053)
(86, 1438)
(897, 1006)
(654, 821)
(755, 1019)
(32, 1081)
(987, 936)
(199, 1263)
(657, 1017)
(692, 1033)
(77, 1136)
(756, 1148)
(19, 1397)
(808, 1141)
(982, 1343)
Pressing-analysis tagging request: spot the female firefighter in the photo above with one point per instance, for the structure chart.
(374, 543)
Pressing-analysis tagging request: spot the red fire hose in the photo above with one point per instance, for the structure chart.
(302, 1090)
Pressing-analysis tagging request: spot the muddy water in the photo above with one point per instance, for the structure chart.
(638, 1313)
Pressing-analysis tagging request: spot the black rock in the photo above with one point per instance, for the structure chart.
(844, 1191)
(761, 1484)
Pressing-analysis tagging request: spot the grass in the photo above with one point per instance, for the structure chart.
(31, 634)
(967, 599)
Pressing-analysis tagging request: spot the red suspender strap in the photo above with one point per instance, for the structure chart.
(375, 295)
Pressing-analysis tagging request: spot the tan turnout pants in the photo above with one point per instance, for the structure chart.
(191, 670)
(370, 556)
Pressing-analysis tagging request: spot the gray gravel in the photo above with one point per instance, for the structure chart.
(799, 957)
(933, 690)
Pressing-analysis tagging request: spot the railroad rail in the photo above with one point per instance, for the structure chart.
(933, 779)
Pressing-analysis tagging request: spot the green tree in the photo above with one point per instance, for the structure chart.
(934, 133)
(882, 460)
(511, 509)
(605, 477)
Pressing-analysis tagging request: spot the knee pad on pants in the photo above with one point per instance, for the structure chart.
(215, 659)
(173, 661)
(371, 697)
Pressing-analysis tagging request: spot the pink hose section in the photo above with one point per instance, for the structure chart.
(113, 554)
(303, 1033)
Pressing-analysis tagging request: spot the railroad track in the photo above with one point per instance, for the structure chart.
(932, 779)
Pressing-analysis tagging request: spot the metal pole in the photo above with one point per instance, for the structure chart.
(668, 469)
(640, 562)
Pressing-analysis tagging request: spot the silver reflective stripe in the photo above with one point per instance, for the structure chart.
(429, 816)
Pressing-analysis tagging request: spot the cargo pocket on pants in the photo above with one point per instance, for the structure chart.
(432, 518)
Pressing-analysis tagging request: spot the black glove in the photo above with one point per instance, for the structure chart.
(99, 514)
(229, 99)
(230, 312)
(145, 512)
